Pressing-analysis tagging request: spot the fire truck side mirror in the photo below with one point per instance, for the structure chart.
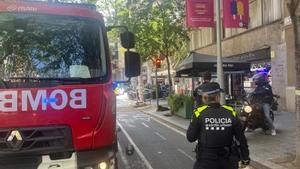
(127, 40)
(132, 64)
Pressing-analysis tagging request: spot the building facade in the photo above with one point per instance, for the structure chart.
(268, 42)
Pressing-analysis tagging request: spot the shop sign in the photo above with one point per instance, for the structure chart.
(226, 65)
(262, 54)
(200, 13)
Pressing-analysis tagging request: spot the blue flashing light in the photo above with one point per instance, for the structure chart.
(266, 71)
(50, 100)
(45, 101)
(115, 85)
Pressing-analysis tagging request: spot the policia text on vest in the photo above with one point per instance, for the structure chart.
(216, 127)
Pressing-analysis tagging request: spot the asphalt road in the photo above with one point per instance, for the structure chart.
(157, 146)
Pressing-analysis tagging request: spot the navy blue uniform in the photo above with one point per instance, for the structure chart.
(263, 94)
(215, 126)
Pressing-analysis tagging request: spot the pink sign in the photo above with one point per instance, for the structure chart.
(236, 13)
(200, 13)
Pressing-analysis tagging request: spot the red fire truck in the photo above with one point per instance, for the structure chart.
(57, 106)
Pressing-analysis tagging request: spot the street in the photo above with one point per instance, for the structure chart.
(157, 146)
(62, 63)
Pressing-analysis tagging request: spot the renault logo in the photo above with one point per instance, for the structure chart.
(15, 140)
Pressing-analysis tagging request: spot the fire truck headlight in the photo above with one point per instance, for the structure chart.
(102, 165)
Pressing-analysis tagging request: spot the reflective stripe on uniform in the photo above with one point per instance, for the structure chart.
(230, 109)
(199, 110)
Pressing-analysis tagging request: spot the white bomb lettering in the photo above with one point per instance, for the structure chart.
(76, 99)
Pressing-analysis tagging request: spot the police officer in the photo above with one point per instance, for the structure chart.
(197, 92)
(216, 127)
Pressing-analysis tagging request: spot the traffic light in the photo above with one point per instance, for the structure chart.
(158, 63)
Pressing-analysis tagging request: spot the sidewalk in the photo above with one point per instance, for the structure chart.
(267, 152)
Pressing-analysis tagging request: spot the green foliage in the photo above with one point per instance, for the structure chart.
(159, 27)
(176, 101)
(92, 1)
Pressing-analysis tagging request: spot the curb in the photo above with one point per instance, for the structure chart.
(254, 163)
(180, 128)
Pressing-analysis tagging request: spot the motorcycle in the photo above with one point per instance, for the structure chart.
(252, 113)
(164, 91)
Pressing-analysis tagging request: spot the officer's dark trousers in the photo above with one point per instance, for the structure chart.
(216, 162)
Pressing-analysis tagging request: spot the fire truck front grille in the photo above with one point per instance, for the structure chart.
(35, 140)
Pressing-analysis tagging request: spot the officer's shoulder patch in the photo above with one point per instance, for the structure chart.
(230, 109)
(199, 110)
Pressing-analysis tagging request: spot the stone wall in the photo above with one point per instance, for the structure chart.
(290, 69)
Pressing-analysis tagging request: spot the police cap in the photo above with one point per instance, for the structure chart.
(211, 88)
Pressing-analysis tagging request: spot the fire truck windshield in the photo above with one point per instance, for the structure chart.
(51, 47)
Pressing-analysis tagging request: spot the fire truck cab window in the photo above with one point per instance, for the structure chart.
(49, 46)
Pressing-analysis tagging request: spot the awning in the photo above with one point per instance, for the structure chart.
(163, 73)
(197, 63)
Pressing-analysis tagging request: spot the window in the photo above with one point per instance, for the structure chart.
(255, 13)
(272, 10)
(48, 46)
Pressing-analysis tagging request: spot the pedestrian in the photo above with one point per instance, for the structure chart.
(197, 92)
(215, 127)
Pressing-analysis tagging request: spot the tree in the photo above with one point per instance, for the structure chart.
(173, 37)
(158, 26)
(294, 10)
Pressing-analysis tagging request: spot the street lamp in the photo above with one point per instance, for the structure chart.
(219, 51)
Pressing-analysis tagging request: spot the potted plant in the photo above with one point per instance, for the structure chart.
(181, 105)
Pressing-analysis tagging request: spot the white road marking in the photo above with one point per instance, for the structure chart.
(143, 117)
(159, 135)
(148, 165)
(145, 125)
(122, 115)
(123, 157)
(128, 122)
(184, 153)
(174, 129)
